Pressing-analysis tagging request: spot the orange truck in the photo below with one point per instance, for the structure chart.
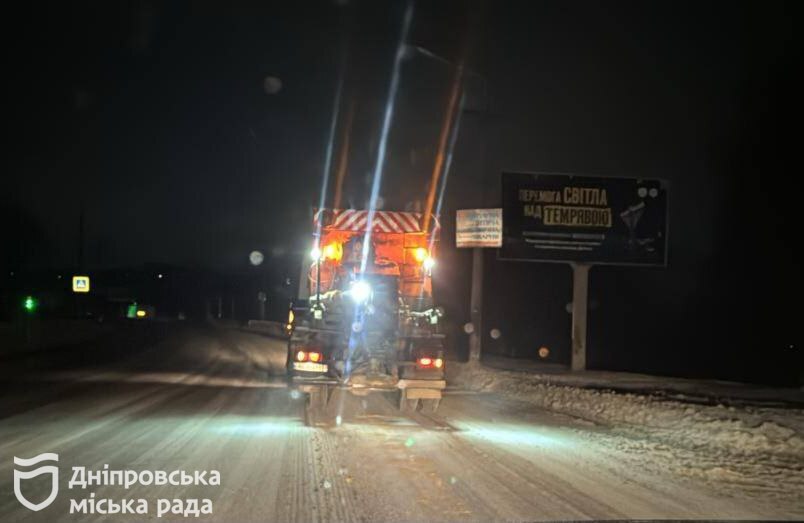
(365, 320)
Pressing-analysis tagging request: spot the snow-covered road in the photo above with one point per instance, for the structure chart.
(210, 400)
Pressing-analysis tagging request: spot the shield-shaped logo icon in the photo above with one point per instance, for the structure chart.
(53, 470)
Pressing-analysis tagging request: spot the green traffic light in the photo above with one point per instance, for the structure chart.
(29, 304)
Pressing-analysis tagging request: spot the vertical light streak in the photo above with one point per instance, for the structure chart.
(386, 126)
(355, 338)
(443, 181)
(453, 138)
(443, 140)
(343, 160)
(328, 153)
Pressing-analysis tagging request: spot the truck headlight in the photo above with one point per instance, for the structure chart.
(360, 291)
(428, 263)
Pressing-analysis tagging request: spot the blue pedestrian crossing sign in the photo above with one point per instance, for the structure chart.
(80, 283)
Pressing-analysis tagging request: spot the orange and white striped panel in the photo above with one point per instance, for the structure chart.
(383, 221)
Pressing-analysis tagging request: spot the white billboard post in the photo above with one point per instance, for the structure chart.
(477, 229)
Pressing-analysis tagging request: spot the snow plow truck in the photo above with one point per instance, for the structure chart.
(365, 321)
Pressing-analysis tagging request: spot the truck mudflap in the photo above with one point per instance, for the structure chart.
(413, 391)
(414, 384)
(320, 393)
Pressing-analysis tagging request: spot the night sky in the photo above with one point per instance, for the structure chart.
(152, 116)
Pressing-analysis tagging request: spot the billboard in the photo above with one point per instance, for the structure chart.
(568, 218)
(478, 228)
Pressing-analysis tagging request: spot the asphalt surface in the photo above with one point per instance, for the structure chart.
(204, 399)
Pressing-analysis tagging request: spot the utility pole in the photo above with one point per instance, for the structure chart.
(81, 239)
(79, 300)
(580, 293)
(476, 305)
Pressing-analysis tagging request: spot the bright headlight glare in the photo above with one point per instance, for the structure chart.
(360, 291)
(420, 254)
(429, 263)
(315, 254)
(332, 251)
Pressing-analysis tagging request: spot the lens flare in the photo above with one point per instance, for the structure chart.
(360, 291)
(333, 251)
(429, 263)
(420, 254)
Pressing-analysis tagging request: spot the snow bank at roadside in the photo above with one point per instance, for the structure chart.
(759, 449)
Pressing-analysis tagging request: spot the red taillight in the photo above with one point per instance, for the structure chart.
(430, 363)
(312, 356)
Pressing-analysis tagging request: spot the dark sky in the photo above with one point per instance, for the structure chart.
(153, 114)
(154, 118)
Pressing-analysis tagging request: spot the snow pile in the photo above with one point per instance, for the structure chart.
(760, 450)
